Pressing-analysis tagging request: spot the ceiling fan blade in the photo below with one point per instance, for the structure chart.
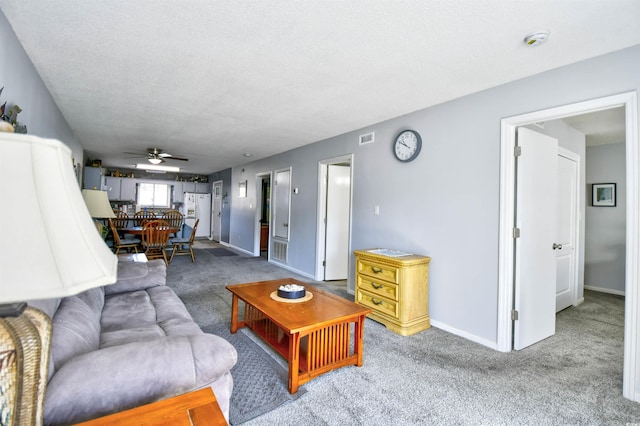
(140, 154)
(171, 157)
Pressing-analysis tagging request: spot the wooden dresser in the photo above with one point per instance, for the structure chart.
(396, 288)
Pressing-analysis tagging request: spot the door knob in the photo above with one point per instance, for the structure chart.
(557, 246)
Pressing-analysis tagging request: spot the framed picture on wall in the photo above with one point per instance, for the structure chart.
(242, 193)
(604, 195)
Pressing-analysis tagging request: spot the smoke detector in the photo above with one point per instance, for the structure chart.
(537, 38)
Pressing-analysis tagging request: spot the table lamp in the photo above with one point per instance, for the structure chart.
(98, 203)
(55, 252)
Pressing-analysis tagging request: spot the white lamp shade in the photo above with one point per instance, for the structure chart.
(52, 248)
(98, 203)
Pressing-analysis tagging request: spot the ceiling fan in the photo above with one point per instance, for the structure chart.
(156, 156)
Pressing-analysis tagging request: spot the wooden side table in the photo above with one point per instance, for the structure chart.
(197, 408)
(396, 287)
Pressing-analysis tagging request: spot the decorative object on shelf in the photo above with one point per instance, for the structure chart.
(71, 258)
(407, 145)
(11, 118)
(604, 195)
(6, 127)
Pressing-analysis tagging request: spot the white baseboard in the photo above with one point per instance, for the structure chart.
(480, 340)
(239, 249)
(289, 268)
(603, 290)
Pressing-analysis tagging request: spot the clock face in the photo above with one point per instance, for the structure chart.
(407, 145)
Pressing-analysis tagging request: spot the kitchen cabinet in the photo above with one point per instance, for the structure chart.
(128, 189)
(113, 187)
(188, 187)
(178, 192)
(93, 178)
(120, 189)
(395, 286)
(203, 187)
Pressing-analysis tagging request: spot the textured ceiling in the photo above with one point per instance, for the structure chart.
(212, 80)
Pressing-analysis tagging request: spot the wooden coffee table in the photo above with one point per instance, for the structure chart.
(197, 408)
(314, 336)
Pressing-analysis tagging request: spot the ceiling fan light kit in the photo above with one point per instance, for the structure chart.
(157, 167)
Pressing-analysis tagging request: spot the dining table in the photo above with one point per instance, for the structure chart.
(137, 230)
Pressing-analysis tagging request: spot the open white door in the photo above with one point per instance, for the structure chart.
(567, 226)
(337, 222)
(535, 259)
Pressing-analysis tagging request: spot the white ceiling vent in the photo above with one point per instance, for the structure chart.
(367, 138)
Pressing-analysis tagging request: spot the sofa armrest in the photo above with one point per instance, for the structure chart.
(121, 377)
(133, 276)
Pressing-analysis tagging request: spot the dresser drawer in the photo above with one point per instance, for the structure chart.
(381, 288)
(379, 304)
(378, 271)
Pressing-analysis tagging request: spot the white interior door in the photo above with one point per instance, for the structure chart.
(566, 237)
(535, 259)
(216, 213)
(337, 222)
(282, 199)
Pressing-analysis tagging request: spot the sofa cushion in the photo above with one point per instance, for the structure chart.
(135, 374)
(144, 315)
(76, 326)
(134, 276)
(128, 310)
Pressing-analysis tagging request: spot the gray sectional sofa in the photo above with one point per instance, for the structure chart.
(129, 344)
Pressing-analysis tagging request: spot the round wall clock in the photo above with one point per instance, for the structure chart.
(407, 145)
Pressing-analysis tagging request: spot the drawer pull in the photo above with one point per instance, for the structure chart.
(376, 302)
(376, 286)
(376, 270)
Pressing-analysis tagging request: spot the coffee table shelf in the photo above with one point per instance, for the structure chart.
(315, 336)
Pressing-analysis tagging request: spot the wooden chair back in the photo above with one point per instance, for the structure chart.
(121, 220)
(178, 244)
(141, 216)
(174, 217)
(193, 232)
(118, 244)
(155, 236)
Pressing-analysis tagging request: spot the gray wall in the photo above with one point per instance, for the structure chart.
(24, 87)
(445, 204)
(606, 226)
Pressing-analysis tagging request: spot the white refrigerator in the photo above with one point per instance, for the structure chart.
(198, 206)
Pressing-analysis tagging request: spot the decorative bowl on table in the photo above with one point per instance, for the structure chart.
(291, 291)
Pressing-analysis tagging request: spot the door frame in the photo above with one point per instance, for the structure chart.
(564, 152)
(507, 222)
(322, 207)
(258, 215)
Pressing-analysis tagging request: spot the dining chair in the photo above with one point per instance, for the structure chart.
(178, 245)
(141, 216)
(174, 217)
(122, 243)
(155, 237)
(121, 220)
